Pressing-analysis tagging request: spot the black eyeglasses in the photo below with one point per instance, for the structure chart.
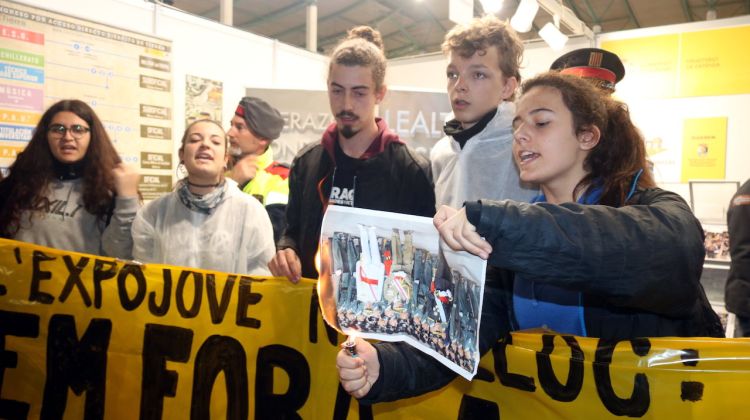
(76, 130)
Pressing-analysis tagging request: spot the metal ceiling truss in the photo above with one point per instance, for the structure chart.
(632, 15)
(404, 31)
(424, 20)
(274, 15)
(302, 27)
(687, 11)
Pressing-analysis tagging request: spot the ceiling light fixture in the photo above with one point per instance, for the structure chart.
(553, 37)
(491, 6)
(567, 18)
(524, 16)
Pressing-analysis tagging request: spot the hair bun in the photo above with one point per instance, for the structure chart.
(368, 34)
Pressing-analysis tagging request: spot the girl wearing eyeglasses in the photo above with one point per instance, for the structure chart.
(69, 189)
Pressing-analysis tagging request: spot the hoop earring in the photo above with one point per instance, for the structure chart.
(181, 172)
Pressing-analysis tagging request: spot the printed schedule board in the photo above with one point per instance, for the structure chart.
(126, 77)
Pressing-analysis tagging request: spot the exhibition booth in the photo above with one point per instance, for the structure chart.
(95, 337)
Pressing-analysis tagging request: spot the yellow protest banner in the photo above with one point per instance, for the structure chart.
(83, 336)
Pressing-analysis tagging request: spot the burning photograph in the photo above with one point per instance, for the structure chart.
(385, 276)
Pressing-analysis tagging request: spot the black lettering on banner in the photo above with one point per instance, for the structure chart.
(18, 325)
(690, 390)
(341, 407)
(477, 408)
(221, 353)
(269, 405)
(484, 374)
(641, 346)
(639, 401)
(246, 298)
(38, 275)
(103, 270)
(17, 254)
(78, 365)
(315, 315)
(547, 378)
(135, 271)
(161, 310)
(179, 292)
(218, 309)
(74, 279)
(513, 380)
(160, 344)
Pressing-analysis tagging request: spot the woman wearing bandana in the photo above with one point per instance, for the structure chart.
(207, 222)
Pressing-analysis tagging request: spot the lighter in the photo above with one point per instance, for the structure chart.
(350, 345)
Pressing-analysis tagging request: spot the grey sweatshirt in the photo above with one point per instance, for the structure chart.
(61, 221)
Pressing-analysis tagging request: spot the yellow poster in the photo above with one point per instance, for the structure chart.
(704, 148)
(651, 65)
(711, 63)
(83, 336)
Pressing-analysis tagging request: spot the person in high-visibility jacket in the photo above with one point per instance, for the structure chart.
(253, 127)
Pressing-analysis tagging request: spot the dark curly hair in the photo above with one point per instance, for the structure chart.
(31, 173)
(621, 151)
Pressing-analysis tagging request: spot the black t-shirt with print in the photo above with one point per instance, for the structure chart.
(344, 178)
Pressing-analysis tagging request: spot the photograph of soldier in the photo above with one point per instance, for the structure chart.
(394, 283)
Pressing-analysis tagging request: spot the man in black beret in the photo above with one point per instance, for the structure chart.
(254, 126)
(601, 67)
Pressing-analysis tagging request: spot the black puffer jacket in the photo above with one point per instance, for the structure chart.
(394, 179)
(638, 267)
(738, 282)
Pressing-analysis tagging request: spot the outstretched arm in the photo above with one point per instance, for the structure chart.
(645, 256)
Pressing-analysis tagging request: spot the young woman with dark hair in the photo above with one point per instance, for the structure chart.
(600, 253)
(69, 189)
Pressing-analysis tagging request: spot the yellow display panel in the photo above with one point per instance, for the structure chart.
(715, 62)
(651, 65)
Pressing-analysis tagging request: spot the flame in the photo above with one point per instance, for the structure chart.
(325, 286)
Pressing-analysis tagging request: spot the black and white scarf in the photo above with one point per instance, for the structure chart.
(201, 203)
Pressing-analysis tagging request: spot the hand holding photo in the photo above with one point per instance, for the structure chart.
(384, 276)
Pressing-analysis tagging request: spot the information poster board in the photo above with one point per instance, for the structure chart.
(126, 77)
(704, 148)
